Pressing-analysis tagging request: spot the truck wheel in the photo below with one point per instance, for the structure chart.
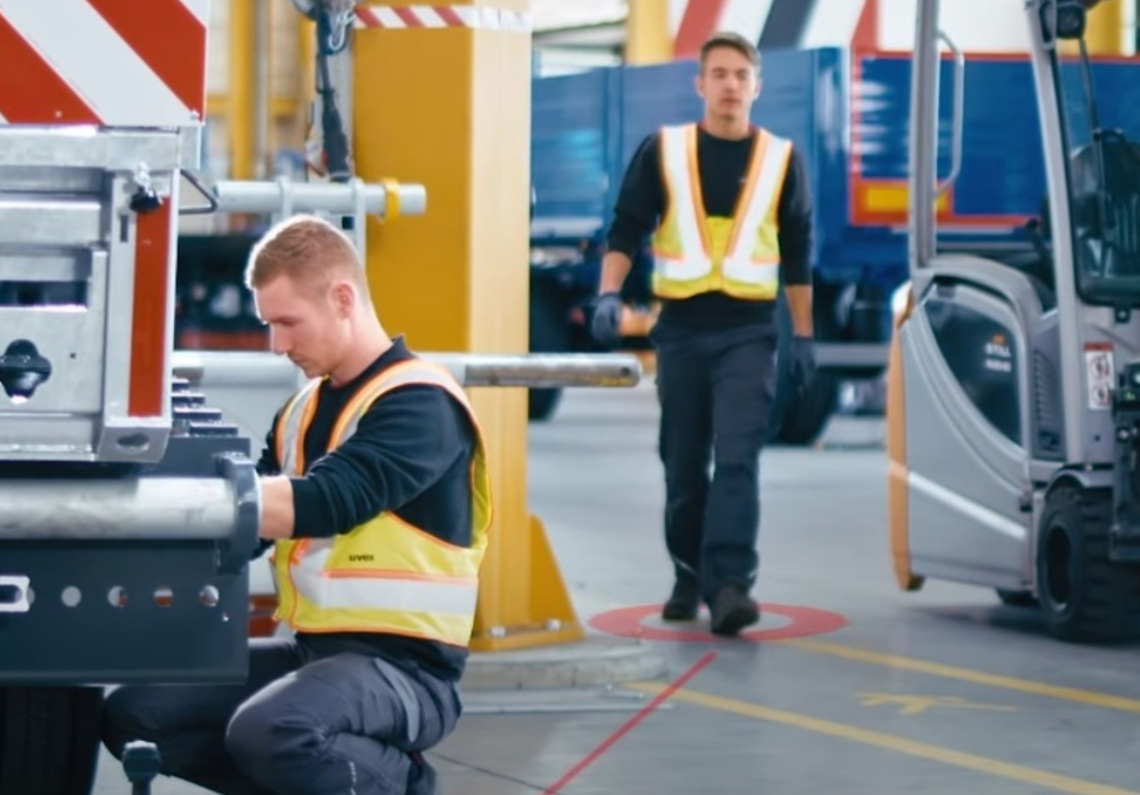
(1085, 597)
(49, 739)
(805, 420)
(549, 333)
(799, 421)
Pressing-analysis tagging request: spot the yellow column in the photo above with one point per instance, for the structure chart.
(1105, 33)
(241, 109)
(648, 34)
(449, 108)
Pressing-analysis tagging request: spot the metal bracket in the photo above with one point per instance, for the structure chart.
(235, 552)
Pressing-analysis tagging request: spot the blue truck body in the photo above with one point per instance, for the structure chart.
(847, 111)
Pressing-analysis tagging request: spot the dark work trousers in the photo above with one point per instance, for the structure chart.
(715, 387)
(340, 725)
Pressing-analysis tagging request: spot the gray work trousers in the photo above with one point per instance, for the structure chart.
(715, 388)
(341, 725)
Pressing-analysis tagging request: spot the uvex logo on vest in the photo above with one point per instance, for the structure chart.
(360, 558)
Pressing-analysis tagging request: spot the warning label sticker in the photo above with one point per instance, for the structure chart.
(1100, 375)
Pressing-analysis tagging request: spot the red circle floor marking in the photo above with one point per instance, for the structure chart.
(626, 622)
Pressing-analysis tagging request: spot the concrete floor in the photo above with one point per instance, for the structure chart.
(943, 691)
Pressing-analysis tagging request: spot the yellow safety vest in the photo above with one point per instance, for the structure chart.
(384, 575)
(694, 253)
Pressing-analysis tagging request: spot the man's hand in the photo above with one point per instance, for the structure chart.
(276, 507)
(801, 364)
(606, 327)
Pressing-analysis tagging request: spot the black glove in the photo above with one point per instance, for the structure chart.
(606, 327)
(801, 363)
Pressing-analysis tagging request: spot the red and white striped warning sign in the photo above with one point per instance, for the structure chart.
(479, 17)
(109, 62)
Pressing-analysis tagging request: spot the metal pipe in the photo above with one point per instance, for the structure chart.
(253, 369)
(163, 508)
(549, 370)
(285, 197)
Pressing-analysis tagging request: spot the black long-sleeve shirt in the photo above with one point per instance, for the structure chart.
(723, 166)
(410, 454)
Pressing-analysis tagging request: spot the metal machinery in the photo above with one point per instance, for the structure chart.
(1013, 413)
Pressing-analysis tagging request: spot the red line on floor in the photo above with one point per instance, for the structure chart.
(629, 725)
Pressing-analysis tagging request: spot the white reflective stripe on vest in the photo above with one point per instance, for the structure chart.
(292, 429)
(379, 591)
(738, 263)
(683, 196)
(391, 592)
(679, 151)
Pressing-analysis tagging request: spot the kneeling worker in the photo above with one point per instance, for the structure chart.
(375, 495)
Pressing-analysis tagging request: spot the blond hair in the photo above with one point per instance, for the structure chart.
(310, 251)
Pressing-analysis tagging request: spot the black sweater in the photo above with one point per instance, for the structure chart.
(723, 166)
(411, 454)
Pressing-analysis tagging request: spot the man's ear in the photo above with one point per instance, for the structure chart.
(343, 298)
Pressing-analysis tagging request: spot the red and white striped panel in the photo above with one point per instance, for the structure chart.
(108, 62)
(479, 17)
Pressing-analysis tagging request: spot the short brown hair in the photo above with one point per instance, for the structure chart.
(310, 251)
(735, 41)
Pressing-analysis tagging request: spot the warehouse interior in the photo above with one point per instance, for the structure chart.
(948, 574)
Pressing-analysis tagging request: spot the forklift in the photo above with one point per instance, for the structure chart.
(1013, 417)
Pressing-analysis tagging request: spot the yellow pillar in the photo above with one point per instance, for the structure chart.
(241, 109)
(449, 107)
(1105, 33)
(648, 34)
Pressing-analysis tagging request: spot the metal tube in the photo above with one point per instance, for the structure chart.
(287, 197)
(541, 370)
(252, 369)
(134, 509)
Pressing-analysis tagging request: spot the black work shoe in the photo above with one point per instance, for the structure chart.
(732, 610)
(683, 603)
(421, 778)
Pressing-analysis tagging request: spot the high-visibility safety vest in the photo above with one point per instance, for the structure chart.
(694, 253)
(384, 575)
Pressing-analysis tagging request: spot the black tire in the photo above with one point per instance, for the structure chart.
(1085, 597)
(550, 332)
(1017, 598)
(806, 419)
(49, 739)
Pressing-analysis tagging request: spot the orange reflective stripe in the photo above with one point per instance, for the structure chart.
(744, 200)
(697, 194)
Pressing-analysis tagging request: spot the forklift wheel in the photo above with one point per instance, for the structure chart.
(49, 739)
(1085, 597)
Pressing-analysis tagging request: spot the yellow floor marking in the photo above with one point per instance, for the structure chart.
(890, 742)
(916, 705)
(1088, 697)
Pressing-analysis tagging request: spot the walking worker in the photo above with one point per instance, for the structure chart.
(727, 209)
(375, 495)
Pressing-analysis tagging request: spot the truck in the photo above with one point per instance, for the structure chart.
(847, 111)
